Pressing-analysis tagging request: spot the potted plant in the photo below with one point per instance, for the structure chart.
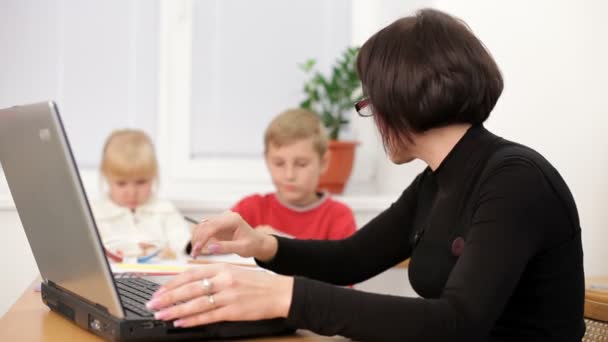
(332, 98)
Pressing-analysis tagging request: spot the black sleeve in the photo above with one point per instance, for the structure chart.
(379, 245)
(505, 233)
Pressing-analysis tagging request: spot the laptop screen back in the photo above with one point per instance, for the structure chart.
(51, 202)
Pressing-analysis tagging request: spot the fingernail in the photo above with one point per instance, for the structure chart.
(178, 323)
(214, 248)
(161, 315)
(195, 249)
(152, 304)
(158, 292)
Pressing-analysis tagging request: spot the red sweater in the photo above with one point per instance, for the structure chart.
(325, 220)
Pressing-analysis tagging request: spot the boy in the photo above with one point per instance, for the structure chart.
(295, 151)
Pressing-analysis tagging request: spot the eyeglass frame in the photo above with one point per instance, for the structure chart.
(364, 108)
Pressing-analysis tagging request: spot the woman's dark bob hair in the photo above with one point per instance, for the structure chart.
(427, 71)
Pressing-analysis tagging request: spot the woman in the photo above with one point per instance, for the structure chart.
(491, 228)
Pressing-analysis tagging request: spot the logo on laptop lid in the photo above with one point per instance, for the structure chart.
(44, 134)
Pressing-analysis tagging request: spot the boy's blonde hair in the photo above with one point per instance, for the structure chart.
(293, 125)
(129, 153)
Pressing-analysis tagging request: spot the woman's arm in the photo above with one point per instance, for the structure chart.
(379, 245)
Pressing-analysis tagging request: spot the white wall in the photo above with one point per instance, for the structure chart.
(552, 54)
(553, 57)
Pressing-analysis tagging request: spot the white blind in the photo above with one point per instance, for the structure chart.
(110, 71)
(245, 57)
(97, 59)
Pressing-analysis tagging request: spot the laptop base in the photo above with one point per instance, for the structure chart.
(98, 321)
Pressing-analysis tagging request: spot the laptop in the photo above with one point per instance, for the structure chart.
(77, 281)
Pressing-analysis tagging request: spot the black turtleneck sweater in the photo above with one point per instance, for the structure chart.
(495, 246)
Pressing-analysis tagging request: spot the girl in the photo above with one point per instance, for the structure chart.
(131, 220)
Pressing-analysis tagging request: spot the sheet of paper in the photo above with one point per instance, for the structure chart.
(150, 269)
(227, 258)
(170, 267)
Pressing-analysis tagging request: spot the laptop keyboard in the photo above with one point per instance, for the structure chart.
(135, 293)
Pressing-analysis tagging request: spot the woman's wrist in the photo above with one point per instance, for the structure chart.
(283, 296)
(268, 248)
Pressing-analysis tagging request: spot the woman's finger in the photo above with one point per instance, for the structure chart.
(201, 235)
(193, 274)
(183, 293)
(192, 307)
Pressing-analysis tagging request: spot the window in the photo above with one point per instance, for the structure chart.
(227, 67)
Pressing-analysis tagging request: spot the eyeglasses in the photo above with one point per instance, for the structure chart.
(364, 108)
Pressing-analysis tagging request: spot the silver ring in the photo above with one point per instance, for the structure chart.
(207, 285)
(210, 299)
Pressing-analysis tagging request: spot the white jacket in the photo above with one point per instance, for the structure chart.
(155, 222)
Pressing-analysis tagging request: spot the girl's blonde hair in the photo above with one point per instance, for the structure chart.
(293, 125)
(129, 153)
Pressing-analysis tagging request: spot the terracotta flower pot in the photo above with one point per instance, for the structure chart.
(342, 155)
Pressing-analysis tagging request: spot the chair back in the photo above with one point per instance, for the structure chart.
(596, 311)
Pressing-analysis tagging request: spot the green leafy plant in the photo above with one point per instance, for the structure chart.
(332, 97)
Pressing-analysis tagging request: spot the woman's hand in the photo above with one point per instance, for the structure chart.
(229, 233)
(266, 229)
(220, 292)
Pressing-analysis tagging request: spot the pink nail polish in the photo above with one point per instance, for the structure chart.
(152, 304)
(195, 249)
(214, 248)
(160, 315)
(178, 323)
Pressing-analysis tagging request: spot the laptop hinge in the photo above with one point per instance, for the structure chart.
(61, 289)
